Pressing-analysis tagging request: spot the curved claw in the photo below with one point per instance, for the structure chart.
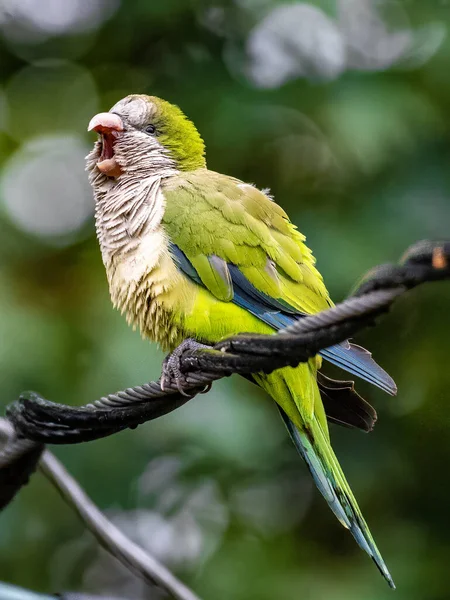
(171, 369)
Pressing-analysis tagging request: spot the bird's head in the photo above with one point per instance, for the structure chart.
(144, 135)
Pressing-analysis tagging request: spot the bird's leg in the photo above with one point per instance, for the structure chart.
(171, 370)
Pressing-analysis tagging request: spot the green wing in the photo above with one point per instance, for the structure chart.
(241, 246)
(218, 221)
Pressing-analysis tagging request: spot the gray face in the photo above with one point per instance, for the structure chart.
(139, 154)
(134, 110)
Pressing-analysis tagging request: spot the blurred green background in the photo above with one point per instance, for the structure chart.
(341, 107)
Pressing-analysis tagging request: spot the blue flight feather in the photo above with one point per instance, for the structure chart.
(359, 362)
(240, 280)
(183, 263)
(276, 313)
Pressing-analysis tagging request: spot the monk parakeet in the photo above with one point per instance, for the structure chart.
(191, 253)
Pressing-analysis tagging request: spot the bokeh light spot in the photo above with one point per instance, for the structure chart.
(49, 97)
(42, 18)
(45, 189)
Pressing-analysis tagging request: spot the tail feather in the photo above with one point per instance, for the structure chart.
(359, 362)
(343, 405)
(315, 449)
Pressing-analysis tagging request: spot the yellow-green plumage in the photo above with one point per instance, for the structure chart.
(218, 223)
(178, 135)
(237, 226)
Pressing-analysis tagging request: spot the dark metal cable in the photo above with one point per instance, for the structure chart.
(41, 420)
(18, 461)
(351, 308)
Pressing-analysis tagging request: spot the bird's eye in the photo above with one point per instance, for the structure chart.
(150, 129)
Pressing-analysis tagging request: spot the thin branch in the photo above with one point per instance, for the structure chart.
(38, 419)
(24, 456)
(12, 592)
(108, 535)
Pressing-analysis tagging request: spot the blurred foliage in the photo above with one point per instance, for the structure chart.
(341, 107)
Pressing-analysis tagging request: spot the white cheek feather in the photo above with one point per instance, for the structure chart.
(142, 260)
(127, 216)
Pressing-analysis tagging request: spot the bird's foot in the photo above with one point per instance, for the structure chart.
(171, 368)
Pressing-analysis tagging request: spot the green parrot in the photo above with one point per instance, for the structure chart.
(191, 253)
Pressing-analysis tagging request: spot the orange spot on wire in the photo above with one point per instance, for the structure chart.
(439, 260)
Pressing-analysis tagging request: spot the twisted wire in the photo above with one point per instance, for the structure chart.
(349, 309)
(151, 390)
(43, 421)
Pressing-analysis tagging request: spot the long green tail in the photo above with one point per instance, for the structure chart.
(289, 387)
(330, 480)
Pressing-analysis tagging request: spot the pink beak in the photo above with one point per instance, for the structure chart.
(108, 125)
(105, 123)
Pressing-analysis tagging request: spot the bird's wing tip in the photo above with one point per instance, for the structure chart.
(384, 571)
(391, 387)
